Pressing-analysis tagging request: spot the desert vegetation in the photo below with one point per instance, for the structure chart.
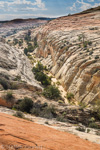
(31, 45)
(40, 75)
(52, 92)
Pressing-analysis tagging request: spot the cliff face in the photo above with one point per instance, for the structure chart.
(70, 47)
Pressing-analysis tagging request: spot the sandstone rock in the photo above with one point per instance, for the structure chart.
(14, 64)
(73, 60)
(16, 133)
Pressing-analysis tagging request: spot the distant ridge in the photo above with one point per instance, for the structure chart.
(43, 18)
(19, 20)
(90, 10)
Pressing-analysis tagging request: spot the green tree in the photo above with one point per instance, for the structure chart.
(26, 105)
(25, 51)
(40, 75)
(52, 92)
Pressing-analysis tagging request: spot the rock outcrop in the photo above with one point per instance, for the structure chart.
(16, 133)
(14, 65)
(70, 47)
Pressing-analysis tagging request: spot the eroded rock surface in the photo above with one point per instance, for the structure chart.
(70, 47)
(21, 134)
(15, 65)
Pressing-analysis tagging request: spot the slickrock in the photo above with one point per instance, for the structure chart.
(15, 132)
(15, 65)
(70, 47)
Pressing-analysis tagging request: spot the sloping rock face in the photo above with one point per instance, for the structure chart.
(14, 64)
(21, 134)
(70, 47)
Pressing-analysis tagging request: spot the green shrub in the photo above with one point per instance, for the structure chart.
(46, 122)
(98, 133)
(82, 105)
(25, 51)
(61, 118)
(82, 129)
(85, 44)
(17, 78)
(9, 96)
(58, 83)
(35, 111)
(40, 75)
(61, 102)
(26, 105)
(27, 38)
(14, 85)
(89, 43)
(70, 96)
(35, 43)
(92, 119)
(87, 50)
(96, 109)
(96, 57)
(93, 125)
(15, 41)
(7, 84)
(52, 92)
(39, 67)
(48, 112)
(19, 114)
(4, 83)
(90, 53)
(43, 78)
(20, 42)
(88, 130)
(44, 111)
(30, 48)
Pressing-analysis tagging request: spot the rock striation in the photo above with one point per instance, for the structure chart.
(70, 47)
(15, 65)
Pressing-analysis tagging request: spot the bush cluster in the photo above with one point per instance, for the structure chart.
(15, 41)
(37, 109)
(44, 111)
(82, 129)
(4, 83)
(40, 75)
(19, 114)
(70, 96)
(27, 37)
(26, 105)
(30, 47)
(52, 92)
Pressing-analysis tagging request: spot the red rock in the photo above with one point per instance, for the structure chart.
(16, 132)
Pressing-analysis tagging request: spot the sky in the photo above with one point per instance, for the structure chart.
(11, 9)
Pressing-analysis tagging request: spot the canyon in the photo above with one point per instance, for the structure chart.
(68, 48)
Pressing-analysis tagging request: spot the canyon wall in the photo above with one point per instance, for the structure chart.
(70, 47)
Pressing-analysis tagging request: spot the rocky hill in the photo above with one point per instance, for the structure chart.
(70, 47)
